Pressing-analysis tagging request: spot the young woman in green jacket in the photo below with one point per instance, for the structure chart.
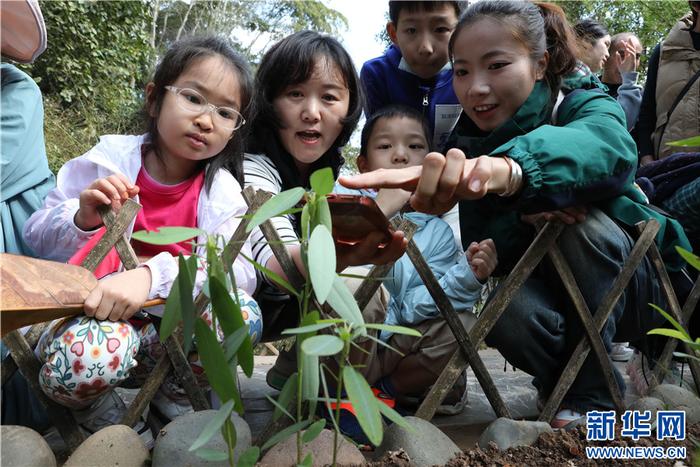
(533, 144)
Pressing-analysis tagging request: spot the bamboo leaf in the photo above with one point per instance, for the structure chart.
(274, 206)
(279, 409)
(228, 431)
(214, 425)
(393, 415)
(668, 333)
(321, 257)
(276, 278)
(313, 431)
(692, 259)
(323, 213)
(185, 286)
(394, 329)
(167, 235)
(212, 455)
(215, 365)
(249, 457)
(322, 346)
(233, 342)
(284, 434)
(305, 329)
(309, 379)
(308, 461)
(171, 314)
(363, 400)
(342, 301)
(229, 314)
(305, 220)
(671, 320)
(322, 181)
(688, 142)
(288, 393)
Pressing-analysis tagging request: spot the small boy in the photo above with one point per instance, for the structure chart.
(396, 137)
(415, 71)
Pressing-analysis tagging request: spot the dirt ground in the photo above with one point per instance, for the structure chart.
(561, 448)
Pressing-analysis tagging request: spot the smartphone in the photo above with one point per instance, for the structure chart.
(354, 217)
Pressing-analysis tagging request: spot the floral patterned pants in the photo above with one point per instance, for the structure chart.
(84, 358)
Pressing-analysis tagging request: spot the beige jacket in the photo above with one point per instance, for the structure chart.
(678, 62)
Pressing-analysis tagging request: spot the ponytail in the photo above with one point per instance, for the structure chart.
(561, 43)
(540, 27)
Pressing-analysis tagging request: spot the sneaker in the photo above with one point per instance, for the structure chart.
(564, 417)
(641, 375)
(621, 352)
(106, 411)
(284, 367)
(168, 409)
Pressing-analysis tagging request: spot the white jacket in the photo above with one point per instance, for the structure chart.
(51, 231)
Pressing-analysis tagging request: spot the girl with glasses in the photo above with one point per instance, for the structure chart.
(184, 171)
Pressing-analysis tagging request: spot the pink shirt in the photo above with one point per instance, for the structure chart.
(162, 205)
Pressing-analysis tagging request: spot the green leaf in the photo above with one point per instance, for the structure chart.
(669, 333)
(308, 461)
(394, 329)
(279, 409)
(229, 314)
(305, 220)
(276, 278)
(393, 415)
(212, 455)
(249, 457)
(313, 431)
(305, 329)
(171, 313)
(284, 434)
(309, 380)
(215, 365)
(185, 287)
(685, 355)
(671, 320)
(322, 181)
(233, 342)
(321, 257)
(214, 425)
(323, 214)
(364, 403)
(688, 142)
(167, 235)
(322, 346)
(274, 206)
(342, 301)
(287, 394)
(228, 431)
(692, 259)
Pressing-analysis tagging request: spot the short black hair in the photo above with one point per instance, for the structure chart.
(590, 30)
(397, 6)
(291, 61)
(392, 111)
(178, 57)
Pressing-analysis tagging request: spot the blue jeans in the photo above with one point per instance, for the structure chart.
(540, 328)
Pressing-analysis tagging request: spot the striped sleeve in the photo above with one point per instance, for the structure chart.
(261, 174)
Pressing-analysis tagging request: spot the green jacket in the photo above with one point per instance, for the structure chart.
(586, 158)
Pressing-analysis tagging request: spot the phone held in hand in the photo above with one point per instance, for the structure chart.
(354, 217)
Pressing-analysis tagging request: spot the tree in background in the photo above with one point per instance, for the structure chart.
(101, 53)
(649, 20)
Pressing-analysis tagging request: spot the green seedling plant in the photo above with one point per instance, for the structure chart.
(219, 360)
(323, 343)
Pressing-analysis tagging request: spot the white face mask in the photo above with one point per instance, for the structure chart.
(22, 30)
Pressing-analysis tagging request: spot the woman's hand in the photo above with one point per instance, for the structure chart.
(441, 181)
(482, 258)
(369, 251)
(112, 190)
(571, 215)
(119, 296)
(627, 60)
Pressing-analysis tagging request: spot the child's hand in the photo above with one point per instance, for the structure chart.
(482, 258)
(119, 296)
(112, 190)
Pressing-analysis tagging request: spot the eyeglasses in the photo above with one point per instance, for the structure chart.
(192, 101)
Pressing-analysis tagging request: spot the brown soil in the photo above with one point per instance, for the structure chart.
(560, 448)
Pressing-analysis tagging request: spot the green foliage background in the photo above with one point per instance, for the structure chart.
(101, 54)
